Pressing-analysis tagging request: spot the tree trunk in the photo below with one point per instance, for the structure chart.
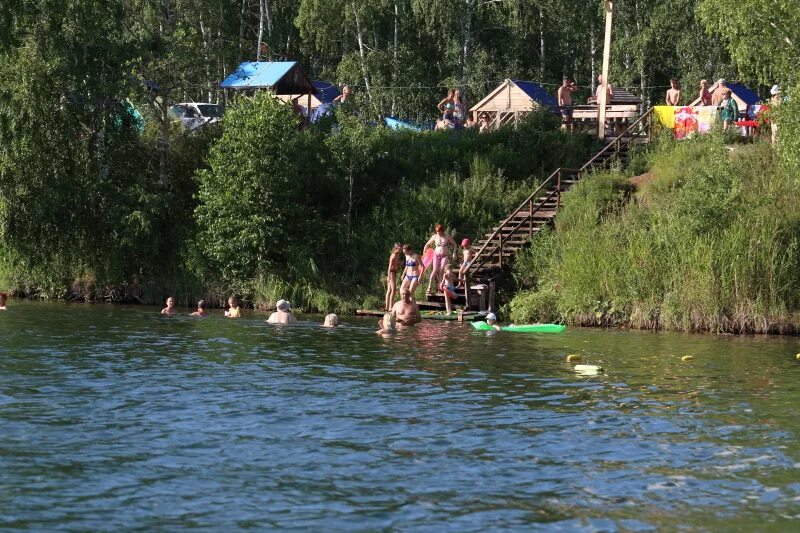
(260, 28)
(593, 56)
(466, 48)
(361, 50)
(268, 17)
(241, 32)
(395, 61)
(207, 60)
(541, 45)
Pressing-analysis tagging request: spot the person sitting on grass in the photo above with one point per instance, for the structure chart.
(387, 324)
(3, 298)
(282, 315)
(170, 308)
(491, 319)
(233, 308)
(331, 321)
(201, 309)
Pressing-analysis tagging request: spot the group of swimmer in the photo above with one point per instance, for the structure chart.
(282, 315)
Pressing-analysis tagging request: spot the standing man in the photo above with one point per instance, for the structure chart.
(674, 93)
(565, 102)
(719, 93)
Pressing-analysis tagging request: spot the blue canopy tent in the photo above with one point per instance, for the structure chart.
(280, 77)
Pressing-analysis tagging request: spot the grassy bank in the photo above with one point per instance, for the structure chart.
(257, 208)
(709, 240)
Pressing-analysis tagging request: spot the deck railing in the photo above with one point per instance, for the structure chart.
(551, 188)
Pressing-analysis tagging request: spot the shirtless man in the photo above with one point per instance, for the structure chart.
(406, 310)
(282, 315)
(674, 93)
(565, 102)
(601, 86)
(719, 93)
(170, 308)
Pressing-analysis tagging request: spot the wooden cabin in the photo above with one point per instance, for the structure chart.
(511, 101)
(285, 79)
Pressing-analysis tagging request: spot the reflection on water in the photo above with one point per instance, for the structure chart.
(118, 418)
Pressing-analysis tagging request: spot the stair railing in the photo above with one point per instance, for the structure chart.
(495, 244)
(642, 126)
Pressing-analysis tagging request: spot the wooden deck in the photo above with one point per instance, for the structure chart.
(460, 316)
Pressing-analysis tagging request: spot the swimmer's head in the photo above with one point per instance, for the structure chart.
(491, 319)
(283, 305)
(170, 302)
(201, 305)
(233, 301)
(389, 321)
(405, 293)
(331, 320)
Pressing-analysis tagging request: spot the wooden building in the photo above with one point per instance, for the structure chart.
(511, 101)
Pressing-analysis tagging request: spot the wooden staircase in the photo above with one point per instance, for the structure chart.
(498, 247)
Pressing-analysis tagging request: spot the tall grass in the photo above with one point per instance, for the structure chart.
(710, 242)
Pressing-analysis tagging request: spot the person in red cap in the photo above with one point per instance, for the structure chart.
(466, 262)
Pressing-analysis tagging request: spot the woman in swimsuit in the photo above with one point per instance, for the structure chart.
(447, 106)
(412, 270)
(391, 276)
(459, 110)
(441, 242)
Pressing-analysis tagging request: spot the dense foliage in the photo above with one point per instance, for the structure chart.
(321, 209)
(711, 242)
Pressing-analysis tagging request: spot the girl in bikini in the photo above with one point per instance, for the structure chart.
(441, 242)
(412, 270)
(391, 276)
(447, 106)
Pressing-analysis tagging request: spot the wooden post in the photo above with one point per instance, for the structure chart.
(602, 100)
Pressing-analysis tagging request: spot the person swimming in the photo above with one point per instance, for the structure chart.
(387, 324)
(331, 321)
(491, 320)
(233, 311)
(201, 309)
(3, 299)
(170, 309)
(283, 314)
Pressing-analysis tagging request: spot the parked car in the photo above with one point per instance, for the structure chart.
(194, 115)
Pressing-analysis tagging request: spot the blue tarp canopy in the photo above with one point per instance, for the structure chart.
(397, 124)
(748, 96)
(537, 93)
(326, 91)
(281, 77)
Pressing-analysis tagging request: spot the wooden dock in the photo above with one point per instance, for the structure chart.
(433, 314)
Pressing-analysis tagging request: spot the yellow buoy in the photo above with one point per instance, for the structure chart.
(574, 357)
(798, 356)
(687, 358)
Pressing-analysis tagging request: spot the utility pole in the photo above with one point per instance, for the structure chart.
(602, 99)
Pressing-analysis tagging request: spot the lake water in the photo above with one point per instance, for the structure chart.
(115, 418)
